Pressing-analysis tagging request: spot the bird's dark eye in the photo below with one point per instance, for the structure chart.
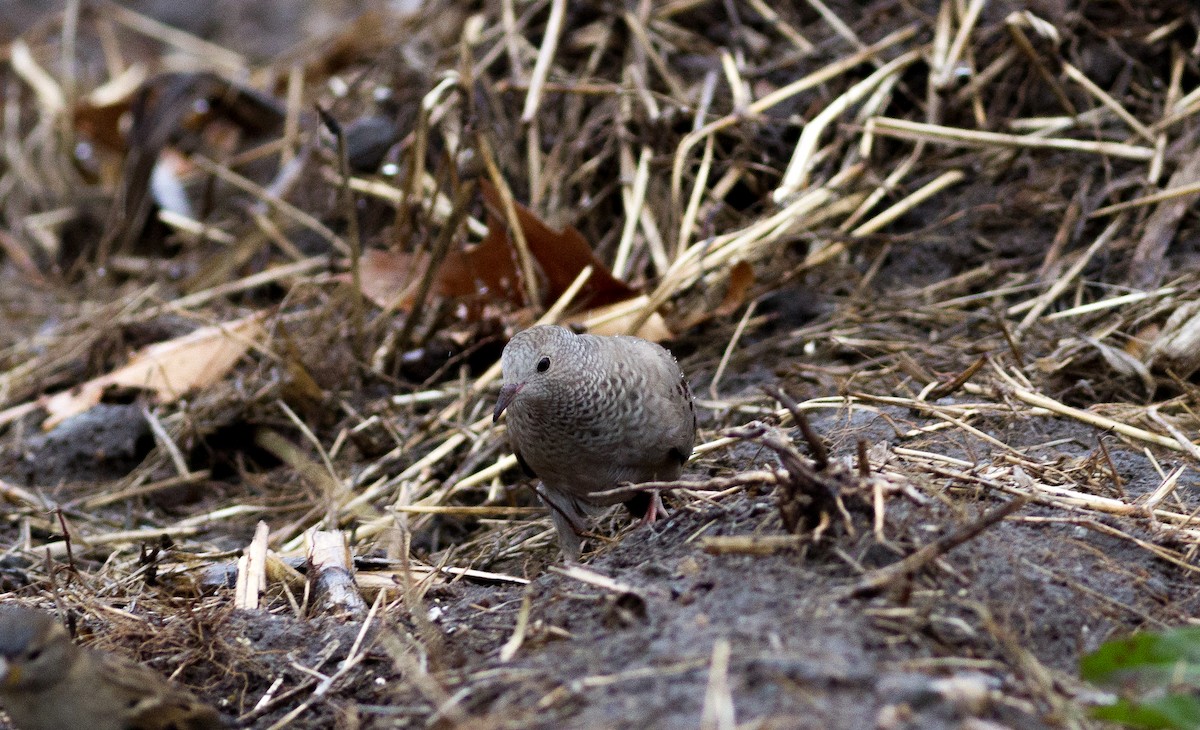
(34, 654)
(543, 365)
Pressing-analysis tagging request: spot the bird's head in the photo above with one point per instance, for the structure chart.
(533, 362)
(35, 650)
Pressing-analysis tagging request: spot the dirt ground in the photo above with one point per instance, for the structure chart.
(909, 347)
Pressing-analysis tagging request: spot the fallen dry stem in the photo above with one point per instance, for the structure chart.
(938, 134)
(878, 580)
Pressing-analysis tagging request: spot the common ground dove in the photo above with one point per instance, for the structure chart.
(49, 683)
(587, 413)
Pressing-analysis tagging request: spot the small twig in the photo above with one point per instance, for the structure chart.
(751, 544)
(714, 484)
(959, 380)
(876, 581)
(808, 496)
(508, 212)
(1185, 443)
(1061, 283)
(166, 442)
(332, 573)
(62, 522)
(1094, 419)
(1021, 40)
(353, 659)
(591, 577)
(820, 455)
(513, 645)
(357, 307)
(938, 134)
(545, 57)
(252, 571)
(729, 348)
(462, 200)
(718, 713)
(1118, 482)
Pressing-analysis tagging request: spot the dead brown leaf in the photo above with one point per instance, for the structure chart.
(487, 272)
(618, 319)
(561, 255)
(387, 277)
(741, 278)
(167, 369)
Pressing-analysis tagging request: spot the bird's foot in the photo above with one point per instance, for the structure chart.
(655, 509)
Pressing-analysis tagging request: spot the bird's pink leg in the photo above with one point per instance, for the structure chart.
(654, 510)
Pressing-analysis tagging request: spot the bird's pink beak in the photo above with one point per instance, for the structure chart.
(507, 393)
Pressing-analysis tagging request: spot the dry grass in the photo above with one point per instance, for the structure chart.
(817, 145)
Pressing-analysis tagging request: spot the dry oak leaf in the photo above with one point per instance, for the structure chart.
(488, 271)
(169, 369)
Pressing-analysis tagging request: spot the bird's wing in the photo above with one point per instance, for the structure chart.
(154, 703)
(524, 464)
(678, 406)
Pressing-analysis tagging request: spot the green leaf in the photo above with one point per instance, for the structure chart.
(1168, 656)
(1173, 712)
